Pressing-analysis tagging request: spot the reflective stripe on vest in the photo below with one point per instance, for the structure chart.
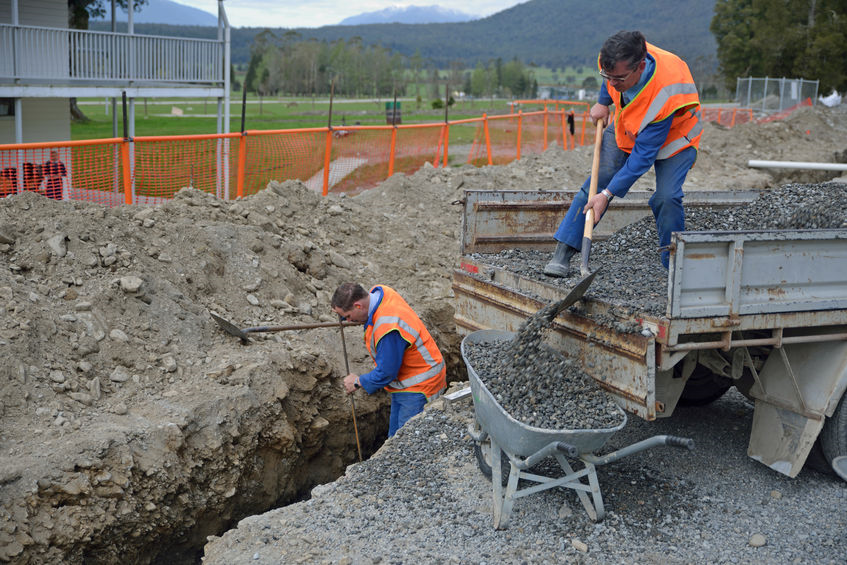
(661, 99)
(419, 345)
(681, 142)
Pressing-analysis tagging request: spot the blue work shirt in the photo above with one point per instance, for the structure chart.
(648, 142)
(389, 352)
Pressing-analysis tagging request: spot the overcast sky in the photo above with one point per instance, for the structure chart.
(317, 13)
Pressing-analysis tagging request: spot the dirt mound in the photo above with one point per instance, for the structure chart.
(133, 427)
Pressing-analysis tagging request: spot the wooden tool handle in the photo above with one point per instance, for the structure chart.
(592, 186)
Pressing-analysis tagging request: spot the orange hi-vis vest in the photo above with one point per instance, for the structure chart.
(423, 369)
(669, 92)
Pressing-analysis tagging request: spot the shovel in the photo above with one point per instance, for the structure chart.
(242, 333)
(574, 295)
(592, 191)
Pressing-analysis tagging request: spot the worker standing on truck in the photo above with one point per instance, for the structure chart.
(408, 362)
(657, 123)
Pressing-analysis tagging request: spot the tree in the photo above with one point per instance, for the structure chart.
(800, 38)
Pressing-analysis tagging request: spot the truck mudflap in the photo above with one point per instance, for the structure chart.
(798, 387)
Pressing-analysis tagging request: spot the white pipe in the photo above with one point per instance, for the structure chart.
(797, 165)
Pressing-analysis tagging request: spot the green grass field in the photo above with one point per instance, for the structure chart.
(187, 117)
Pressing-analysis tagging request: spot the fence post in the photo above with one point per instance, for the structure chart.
(392, 150)
(127, 172)
(242, 165)
(564, 132)
(487, 138)
(544, 145)
(446, 128)
(520, 125)
(327, 157)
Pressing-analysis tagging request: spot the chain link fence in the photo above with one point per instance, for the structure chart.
(770, 95)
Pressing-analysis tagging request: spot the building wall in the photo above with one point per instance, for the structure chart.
(44, 119)
(47, 13)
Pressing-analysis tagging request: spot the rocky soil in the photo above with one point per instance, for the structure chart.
(132, 427)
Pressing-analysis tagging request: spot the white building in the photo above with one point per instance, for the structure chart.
(43, 63)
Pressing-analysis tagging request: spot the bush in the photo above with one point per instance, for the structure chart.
(437, 104)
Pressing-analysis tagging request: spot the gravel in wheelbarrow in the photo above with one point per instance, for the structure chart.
(539, 386)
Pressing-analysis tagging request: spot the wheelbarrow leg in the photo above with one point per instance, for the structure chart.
(502, 501)
(496, 480)
(596, 510)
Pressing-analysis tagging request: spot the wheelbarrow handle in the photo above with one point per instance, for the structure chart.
(676, 441)
(567, 449)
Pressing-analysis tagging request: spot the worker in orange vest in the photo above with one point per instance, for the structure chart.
(408, 363)
(657, 124)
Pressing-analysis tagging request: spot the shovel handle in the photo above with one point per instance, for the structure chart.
(588, 231)
(257, 329)
(595, 169)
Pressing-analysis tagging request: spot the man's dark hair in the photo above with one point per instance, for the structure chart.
(346, 294)
(629, 46)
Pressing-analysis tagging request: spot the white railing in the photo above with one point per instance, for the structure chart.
(50, 54)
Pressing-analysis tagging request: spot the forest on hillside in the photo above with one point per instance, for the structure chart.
(719, 39)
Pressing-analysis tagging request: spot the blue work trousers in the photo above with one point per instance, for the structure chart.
(404, 405)
(666, 202)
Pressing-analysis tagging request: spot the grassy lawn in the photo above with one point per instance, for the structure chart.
(186, 117)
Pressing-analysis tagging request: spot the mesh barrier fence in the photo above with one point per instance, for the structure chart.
(150, 170)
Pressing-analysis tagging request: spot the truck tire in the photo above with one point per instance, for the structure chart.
(703, 386)
(482, 451)
(833, 437)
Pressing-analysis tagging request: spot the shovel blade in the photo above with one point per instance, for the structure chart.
(231, 328)
(575, 293)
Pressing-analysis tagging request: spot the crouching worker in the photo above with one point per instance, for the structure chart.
(408, 362)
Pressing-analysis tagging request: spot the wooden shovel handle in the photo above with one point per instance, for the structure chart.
(595, 169)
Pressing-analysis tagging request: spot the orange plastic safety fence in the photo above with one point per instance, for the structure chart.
(785, 113)
(359, 160)
(164, 166)
(727, 117)
(284, 156)
(418, 146)
(90, 171)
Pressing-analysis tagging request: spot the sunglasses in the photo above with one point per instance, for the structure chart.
(611, 78)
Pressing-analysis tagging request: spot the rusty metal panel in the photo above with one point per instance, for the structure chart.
(493, 220)
(757, 272)
(622, 363)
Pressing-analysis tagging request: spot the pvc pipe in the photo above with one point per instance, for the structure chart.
(797, 165)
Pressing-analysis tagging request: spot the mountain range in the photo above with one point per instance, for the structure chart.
(162, 12)
(409, 15)
(553, 33)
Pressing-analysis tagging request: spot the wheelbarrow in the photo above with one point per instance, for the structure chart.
(525, 446)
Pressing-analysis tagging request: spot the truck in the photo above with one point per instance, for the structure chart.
(764, 311)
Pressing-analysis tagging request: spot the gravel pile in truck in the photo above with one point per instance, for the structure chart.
(632, 275)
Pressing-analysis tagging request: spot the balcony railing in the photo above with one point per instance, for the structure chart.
(67, 56)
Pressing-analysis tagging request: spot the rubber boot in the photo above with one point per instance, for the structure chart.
(559, 265)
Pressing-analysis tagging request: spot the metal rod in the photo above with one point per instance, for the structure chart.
(815, 166)
(761, 341)
(352, 401)
(331, 95)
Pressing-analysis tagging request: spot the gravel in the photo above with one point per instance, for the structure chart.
(539, 386)
(631, 274)
(422, 499)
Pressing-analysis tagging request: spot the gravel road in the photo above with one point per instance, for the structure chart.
(422, 499)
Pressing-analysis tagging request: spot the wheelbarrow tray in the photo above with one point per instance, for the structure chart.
(515, 437)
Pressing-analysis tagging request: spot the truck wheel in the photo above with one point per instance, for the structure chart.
(482, 450)
(833, 437)
(703, 386)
